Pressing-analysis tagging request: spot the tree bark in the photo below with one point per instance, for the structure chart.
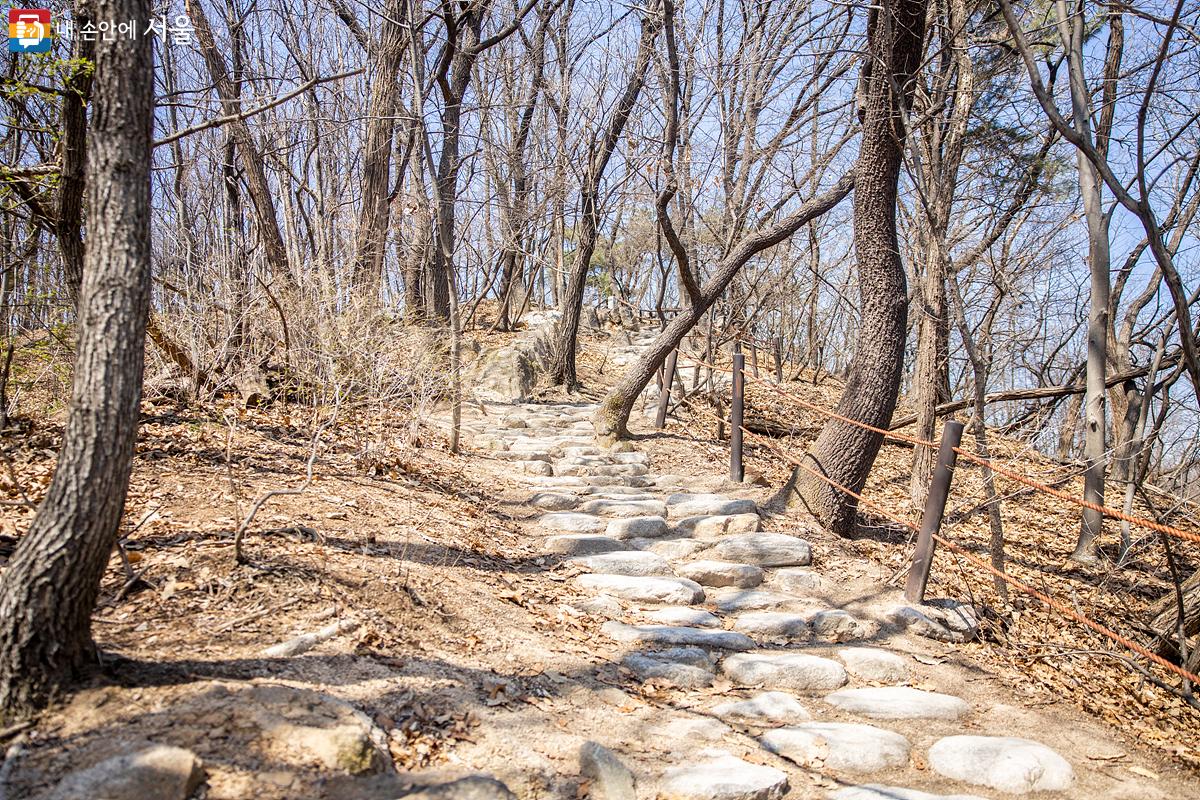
(50, 587)
(844, 452)
(561, 366)
(69, 223)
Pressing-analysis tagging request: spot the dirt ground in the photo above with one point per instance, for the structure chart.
(467, 656)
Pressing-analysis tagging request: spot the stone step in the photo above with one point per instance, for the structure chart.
(572, 522)
(711, 526)
(682, 506)
(637, 528)
(765, 550)
(624, 508)
(898, 702)
(677, 635)
(673, 591)
(722, 573)
(731, 600)
(773, 625)
(686, 616)
(784, 670)
(582, 544)
(765, 708)
(1005, 763)
(842, 746)
(873, 664)
(725, 777)
(678, 667)
(626, 562)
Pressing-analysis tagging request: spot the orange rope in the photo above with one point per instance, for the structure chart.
(1011, 581)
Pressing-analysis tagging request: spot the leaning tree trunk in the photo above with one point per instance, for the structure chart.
(1170, 626)
(48, 592)
(611, 419)
(844, 452)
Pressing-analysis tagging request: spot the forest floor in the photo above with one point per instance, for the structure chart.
(460, 646)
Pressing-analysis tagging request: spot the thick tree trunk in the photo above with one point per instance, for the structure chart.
(845, 452)
(49, 589)
(69, 223)
(377, 151)
(612, 417)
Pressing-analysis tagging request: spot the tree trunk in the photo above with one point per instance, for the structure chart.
(612, 417)
(561, 366)
(377, 152)
(49, 589)
(69, 223)
(845, 452)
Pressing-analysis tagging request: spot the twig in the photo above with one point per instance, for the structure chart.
(307, 641)
(253, 615)
(265, 496)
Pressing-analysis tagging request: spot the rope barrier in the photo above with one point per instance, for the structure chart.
(969, 456)
(1015, 583)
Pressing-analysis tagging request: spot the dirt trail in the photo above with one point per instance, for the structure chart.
(492, 614)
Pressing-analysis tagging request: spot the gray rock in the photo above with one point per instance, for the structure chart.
(773, 625)
(725, 777)
(608, 778)
(873, 664)
(722, 573)
(670, 548)
(765, 550)
(672, 635)
(534, 467)
(637, 528)
(687, 730)
(765, 708)
(898, 702)
(679, 667)
(796, 580)
(604, 606)
(875, 791)
(625, 508)
(944, 620)
(839, 746)
(554, 501)
(711, 526)
(795, 671)
(475, 787)
(732, 600)
(582, 544)
(683, 615)
(836, 625)
(625, 562)
(713, 505)
(674, 591)
(572, 522)
(1004, 763)
(157, 772)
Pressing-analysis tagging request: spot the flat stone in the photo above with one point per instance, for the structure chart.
(712, 506)
(725, 777)
(614, 490)
(944, 620)
(836, 625)
(674, 591)
(873, 664)
(474, 787)
(679, 667)
(676, 635)
(608, 778)
(898, 702)
(765, 550)
(534, 467)
(582, 544)
(625, 508)
(629, 458)
(722, 573)
(876, 791)
(784, 670)
(572, 522)
(625, 562)
(839, 746)
(683, 615)
(773, 625)
(692, 729)
(605, 606)
(796, 580)
(554, 501)
(673, 549)
(765, 708)
(710, 526)
(631, 470)
(1004, 763)
(159, 772)
(732, 600)
(637, 528)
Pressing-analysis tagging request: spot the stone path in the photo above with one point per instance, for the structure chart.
(700, 592)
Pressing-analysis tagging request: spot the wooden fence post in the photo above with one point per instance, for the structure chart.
(736, 469)
(664, 394)
(935, 507)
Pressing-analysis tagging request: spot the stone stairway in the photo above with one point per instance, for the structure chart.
(699, 592)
